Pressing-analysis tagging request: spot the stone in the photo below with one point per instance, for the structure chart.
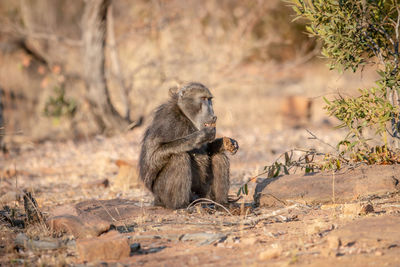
(353, 209)
(135, 247)
(249, 241)
(203, 238)
(45, 244)
(379, 253)
(316, 188)
(103, 183)
(91, 218)
(366, 208)
(379, 232)
(269, 201)
(318, 227)
(111, 211)
(333, 242)
(110, 246)
(127, 176)
(77, 227)
(9, 197)
(271, 253)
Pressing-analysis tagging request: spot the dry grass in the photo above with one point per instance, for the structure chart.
(160, 46)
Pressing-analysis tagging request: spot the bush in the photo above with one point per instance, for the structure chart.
(356, 33)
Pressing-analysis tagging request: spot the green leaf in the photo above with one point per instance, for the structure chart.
(287, 159)
(326, 100)
(285, 169)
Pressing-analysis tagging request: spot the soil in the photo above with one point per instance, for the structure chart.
(83, 179)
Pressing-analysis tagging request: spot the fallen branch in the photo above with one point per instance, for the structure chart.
(207, 201)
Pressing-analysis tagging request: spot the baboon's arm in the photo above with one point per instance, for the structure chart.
(185, 143)
(223, 144)
(180, 145)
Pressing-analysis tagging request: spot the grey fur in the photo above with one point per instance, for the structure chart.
(180, 158)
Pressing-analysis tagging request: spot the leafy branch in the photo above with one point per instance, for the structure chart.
(287, 163)
(356, 33)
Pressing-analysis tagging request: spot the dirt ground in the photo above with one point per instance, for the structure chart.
(68, 173)
(267, 95)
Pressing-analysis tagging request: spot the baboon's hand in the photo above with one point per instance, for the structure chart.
(206, 134)
(230, 145)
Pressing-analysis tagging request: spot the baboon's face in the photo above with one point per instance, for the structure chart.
(196, 103)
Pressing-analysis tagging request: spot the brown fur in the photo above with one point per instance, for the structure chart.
(180, 158)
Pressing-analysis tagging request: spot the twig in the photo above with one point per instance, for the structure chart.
(277, 199)
(206, 200)
(272, 214)
(322, 141)
(325, 143)
(333, 187)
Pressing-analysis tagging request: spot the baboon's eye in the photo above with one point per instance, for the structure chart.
(204, 98)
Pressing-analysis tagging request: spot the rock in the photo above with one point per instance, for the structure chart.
(271, 253)
(111, 211)
(203, 238)
(93, 217)
(366, 208)
(43, 244)
(110, 246)
(135, 247)
(333, 242)
(249, 241)
(354, 209)
(9, 197)
(104, 183)
(318, 227)
(351, 209)
(77, 227)
(127, 176)
(316, 188)
(378, 232)
(379, 253)
(62, 210)
(269, 201)
(71, 220)
(333, 246)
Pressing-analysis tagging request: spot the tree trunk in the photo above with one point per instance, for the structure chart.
(94, 38)
(393, 97)
(2, 127)
(115, 63)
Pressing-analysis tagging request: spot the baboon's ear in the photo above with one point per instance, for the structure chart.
(173, 91)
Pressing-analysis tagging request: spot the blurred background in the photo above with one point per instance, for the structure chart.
(62, 62)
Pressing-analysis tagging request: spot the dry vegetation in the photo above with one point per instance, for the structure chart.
(264, 74)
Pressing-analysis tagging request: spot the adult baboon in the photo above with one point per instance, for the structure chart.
(180, 159)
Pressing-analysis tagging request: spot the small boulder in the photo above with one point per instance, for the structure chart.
(110, 246)
(79, 229)
(271, 253)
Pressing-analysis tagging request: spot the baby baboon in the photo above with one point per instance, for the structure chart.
(180, 159)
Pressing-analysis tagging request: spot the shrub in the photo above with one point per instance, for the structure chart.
(356, 33)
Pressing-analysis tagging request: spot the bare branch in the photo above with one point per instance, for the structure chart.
(11, 28)
(115, 62)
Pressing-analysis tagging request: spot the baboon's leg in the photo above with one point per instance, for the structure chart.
(220, 183)
(172, 187)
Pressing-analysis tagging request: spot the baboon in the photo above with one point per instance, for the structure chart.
(180, 159)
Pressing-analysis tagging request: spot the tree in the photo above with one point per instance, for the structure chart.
(2, 131)
(94, 38)
(356, 33)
